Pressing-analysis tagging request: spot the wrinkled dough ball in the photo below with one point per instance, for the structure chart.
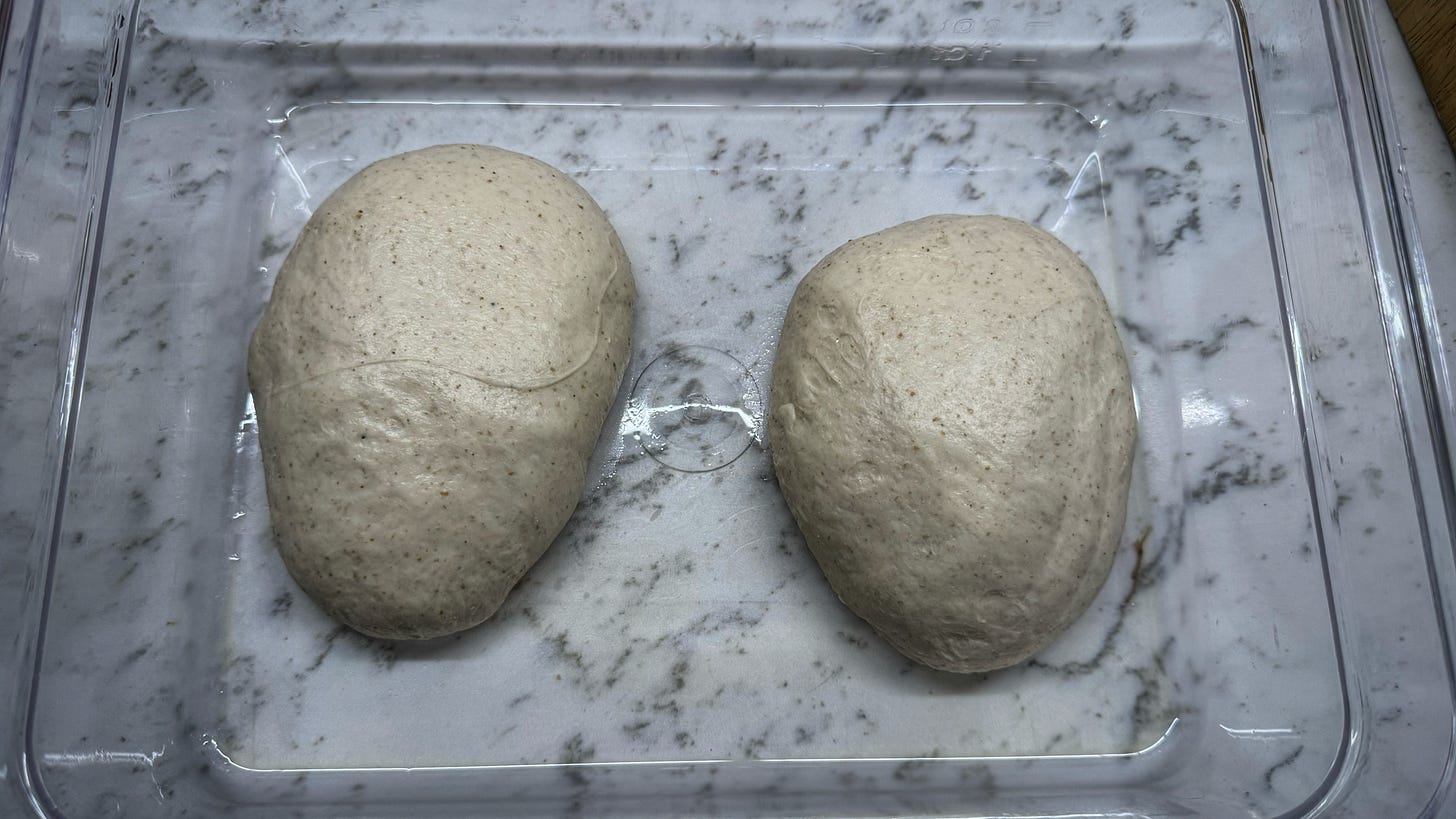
(952, 426)
(431, 374)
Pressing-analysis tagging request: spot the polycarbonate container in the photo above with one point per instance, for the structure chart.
(1272, 639)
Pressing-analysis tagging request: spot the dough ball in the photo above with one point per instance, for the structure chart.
(952, 425)
(431, 375)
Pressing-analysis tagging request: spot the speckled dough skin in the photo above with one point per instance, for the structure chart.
(952, 426)
(431, 375)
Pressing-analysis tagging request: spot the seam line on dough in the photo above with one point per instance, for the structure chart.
(489, 382)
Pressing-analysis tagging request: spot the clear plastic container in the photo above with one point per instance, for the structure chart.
(1272, 640)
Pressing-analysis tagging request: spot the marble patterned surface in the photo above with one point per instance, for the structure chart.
(679, 616)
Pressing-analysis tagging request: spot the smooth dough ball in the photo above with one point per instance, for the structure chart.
(952, 425)
(431, 374)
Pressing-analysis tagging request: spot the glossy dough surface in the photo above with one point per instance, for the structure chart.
(431, 375)
(952, 425)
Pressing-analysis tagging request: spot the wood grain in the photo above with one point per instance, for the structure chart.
(1429, 27)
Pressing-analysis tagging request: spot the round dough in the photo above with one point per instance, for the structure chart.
(431, 374)
(952, 425)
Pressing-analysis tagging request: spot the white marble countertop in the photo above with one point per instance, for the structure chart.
(708, 638)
